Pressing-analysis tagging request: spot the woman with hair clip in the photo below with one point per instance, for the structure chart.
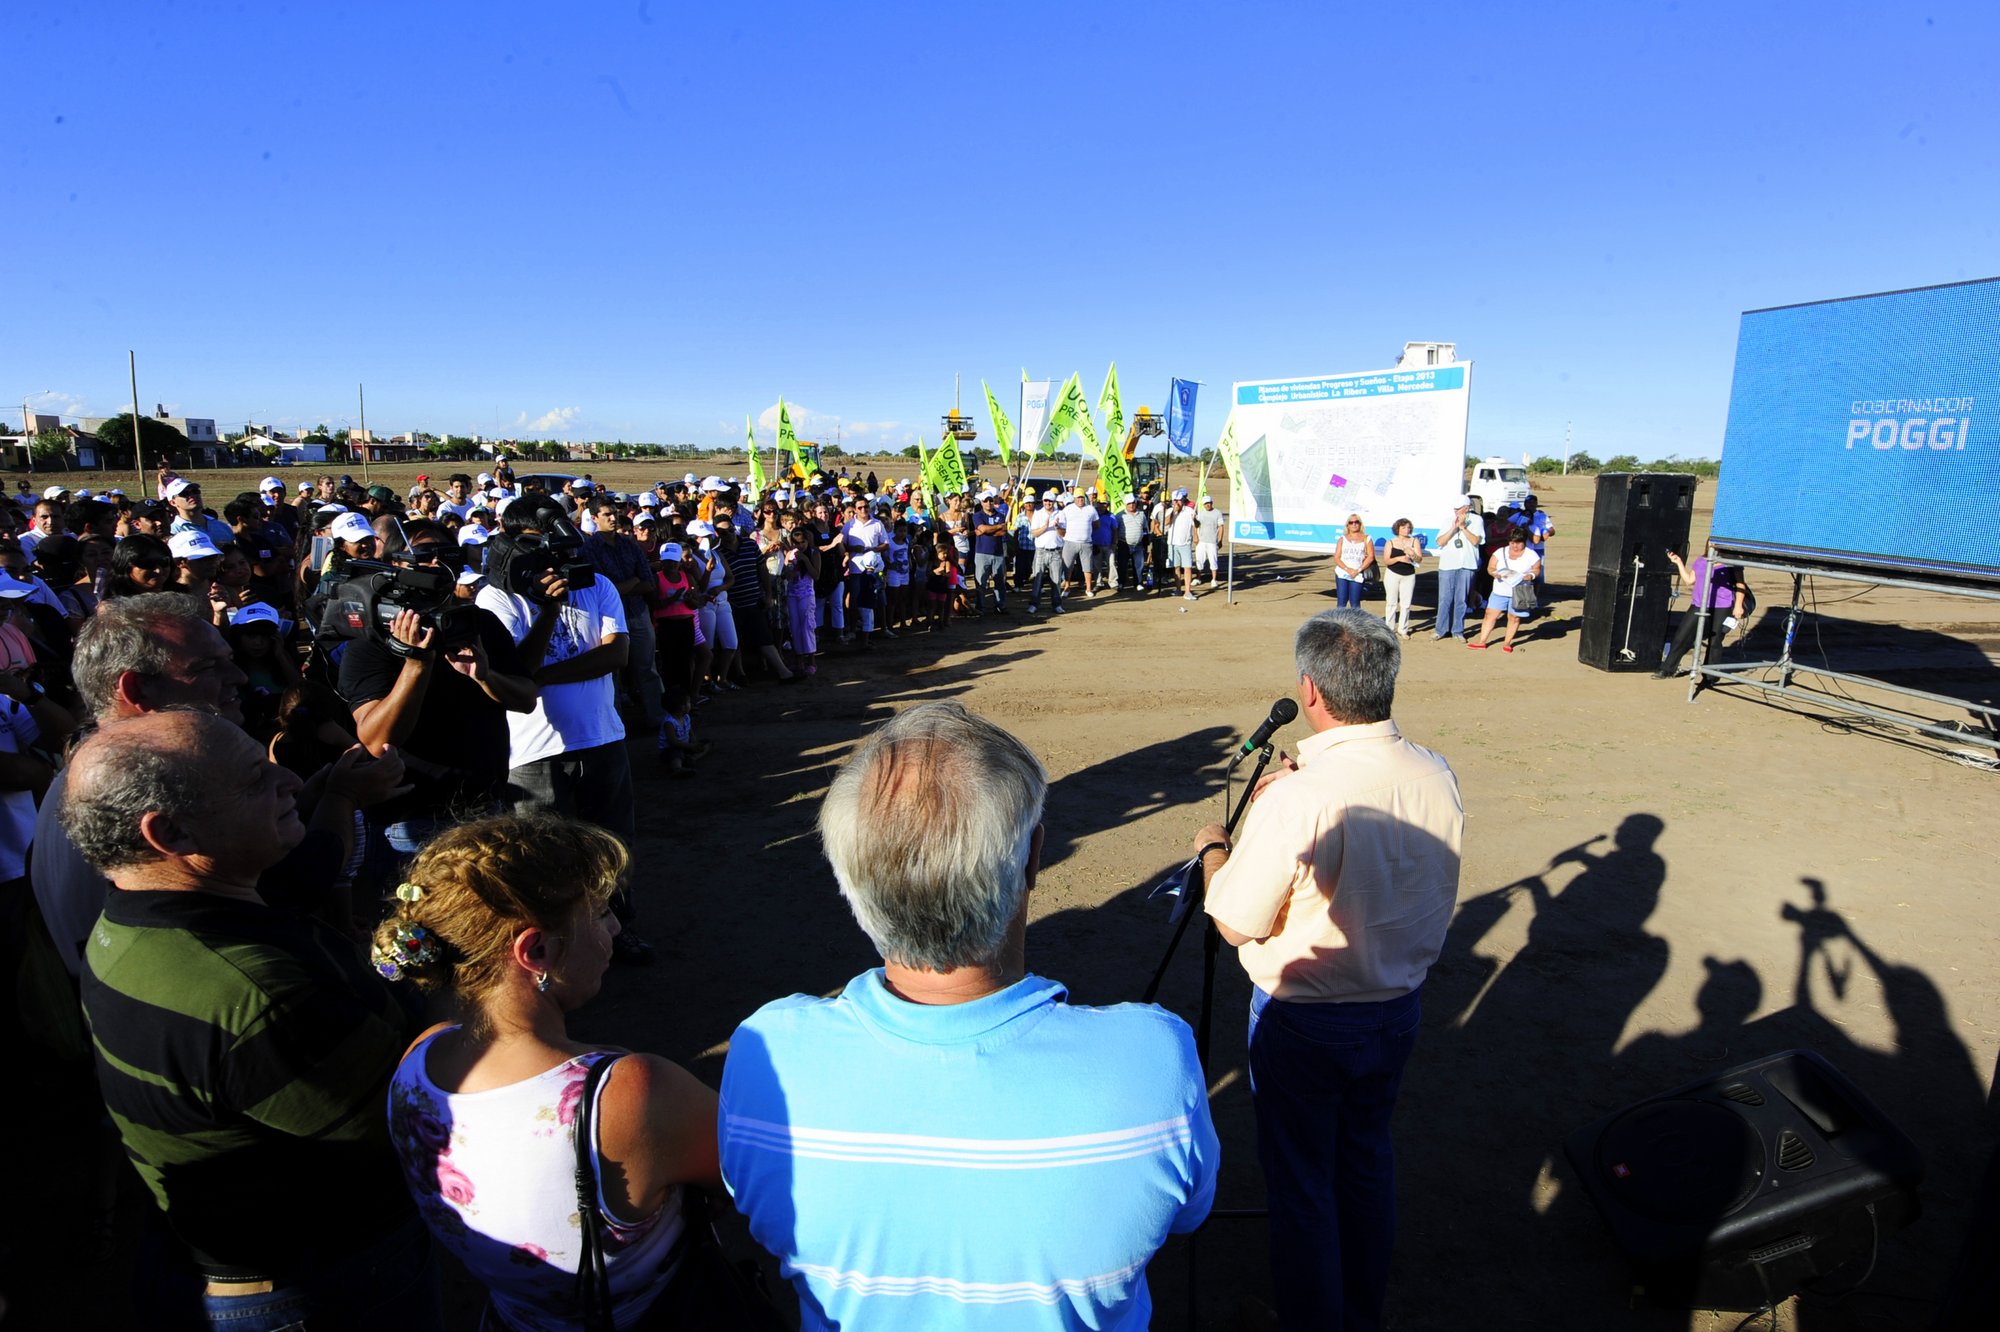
(510, 918)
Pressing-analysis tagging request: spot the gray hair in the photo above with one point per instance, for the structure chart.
(124, 772)
(928, 829)
(124, 636)
(1351, 657)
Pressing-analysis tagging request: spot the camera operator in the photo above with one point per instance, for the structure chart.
(567, 755)
(444, 706)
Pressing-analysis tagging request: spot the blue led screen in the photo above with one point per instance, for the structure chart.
(1868, 430)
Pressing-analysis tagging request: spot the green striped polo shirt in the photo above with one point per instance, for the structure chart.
(245, 1054)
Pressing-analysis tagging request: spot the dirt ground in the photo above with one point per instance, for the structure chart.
(1653, 891)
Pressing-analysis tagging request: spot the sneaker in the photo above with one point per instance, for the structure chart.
(1187, 596)
(889, 633)
(1034, 610)
(1059, 610)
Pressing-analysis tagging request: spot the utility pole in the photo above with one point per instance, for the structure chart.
(361, 393)
(1566, 446)
(28, 435)
(138, 449)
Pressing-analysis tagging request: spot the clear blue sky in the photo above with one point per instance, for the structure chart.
(645, 220)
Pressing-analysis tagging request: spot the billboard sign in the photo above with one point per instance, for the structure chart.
(1385, 444)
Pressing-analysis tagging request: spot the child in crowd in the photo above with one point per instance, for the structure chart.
(677, 748)
(897, 579)
(943, 564)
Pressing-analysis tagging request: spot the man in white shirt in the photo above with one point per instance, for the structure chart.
(1077, 518)
(458, 497)
(1045, 530)
(866, 539)
(1337, 897)
(1180, 542)
(1207, 539)
(1458, 558)
(568, 754)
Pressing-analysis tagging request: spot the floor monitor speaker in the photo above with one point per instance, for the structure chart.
(1743, 1188)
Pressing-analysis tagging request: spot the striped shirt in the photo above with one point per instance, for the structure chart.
(245, 1053)
(1012, 1162)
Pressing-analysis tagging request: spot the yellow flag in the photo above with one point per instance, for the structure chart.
(1227, 448)
(757, 482)
(1003, 429)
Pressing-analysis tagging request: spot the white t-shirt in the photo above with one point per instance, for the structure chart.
(1046, 527)
(1511, 569)
(1076, 520)
(567, 717)
(865, 541)
(1461, 551)
(1180, 528)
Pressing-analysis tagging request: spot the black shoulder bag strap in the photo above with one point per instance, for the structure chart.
(593, 1277)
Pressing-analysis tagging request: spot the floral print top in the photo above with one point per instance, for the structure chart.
(494, 1177)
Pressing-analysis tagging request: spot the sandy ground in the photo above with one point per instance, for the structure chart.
(1653, 891)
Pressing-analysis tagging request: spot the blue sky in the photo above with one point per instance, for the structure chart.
(644, 220)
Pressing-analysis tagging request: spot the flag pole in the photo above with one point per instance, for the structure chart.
(138, 449)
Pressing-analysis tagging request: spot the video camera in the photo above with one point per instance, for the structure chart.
(526, 557)
(371, 593)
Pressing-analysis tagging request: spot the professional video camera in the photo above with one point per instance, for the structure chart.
(519, 560)
(371, 593)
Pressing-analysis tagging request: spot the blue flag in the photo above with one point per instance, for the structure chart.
(1180, 416)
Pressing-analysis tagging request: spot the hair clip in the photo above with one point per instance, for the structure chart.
(409, 892)
(410, 946)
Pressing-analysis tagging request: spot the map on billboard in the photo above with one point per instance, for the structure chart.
(1384, 444)
(1864, 431)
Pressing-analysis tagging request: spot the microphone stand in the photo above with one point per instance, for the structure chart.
(1192, 896)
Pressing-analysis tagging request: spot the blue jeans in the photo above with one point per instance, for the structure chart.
(1349, 592)
(1324, 1079)
(1453, 584)
(393, 1284)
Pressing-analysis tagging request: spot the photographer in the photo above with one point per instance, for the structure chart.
(567, 755)
(443, 705)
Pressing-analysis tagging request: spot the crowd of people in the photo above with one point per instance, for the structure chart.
(344, 832)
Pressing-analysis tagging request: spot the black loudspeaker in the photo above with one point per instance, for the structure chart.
(1737, 1191)
(1628, 583)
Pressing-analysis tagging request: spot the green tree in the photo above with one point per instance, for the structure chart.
(161, 440)
(1545, 465)
(459, 446)
(269, 452)
(910, 451)
(50, 449)
(1624, 462)
(1583, 462)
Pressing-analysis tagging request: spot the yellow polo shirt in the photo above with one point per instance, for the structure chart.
(1346, 870)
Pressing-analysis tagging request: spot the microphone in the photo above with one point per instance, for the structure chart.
(1283, 713)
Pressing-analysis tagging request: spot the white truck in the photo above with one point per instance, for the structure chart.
(1497, 481)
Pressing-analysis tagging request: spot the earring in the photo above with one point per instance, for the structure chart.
(542, 983)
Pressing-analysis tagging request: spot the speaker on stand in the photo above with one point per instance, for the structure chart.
(1738, 1191)
(1628, 583)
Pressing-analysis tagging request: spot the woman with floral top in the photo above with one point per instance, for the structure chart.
(511, 918)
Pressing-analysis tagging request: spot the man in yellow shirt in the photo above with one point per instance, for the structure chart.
(1337, 896)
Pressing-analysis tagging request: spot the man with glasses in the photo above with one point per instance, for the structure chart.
(189, 516)
(444, 709)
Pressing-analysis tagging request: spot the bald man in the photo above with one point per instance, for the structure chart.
(244, 1051)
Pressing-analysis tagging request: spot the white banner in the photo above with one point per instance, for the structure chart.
(1384, 444)
(1036, 396)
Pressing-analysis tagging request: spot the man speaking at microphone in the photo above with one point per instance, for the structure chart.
(1337, 896)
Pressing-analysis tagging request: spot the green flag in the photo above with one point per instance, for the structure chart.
(757, 481)
(1201, 491)
(947, 469)
(788, 439)
(924, 468)
(1114, 413)
(1226, 447)
(1071, 416)
(1003, 429)
(1114, 474)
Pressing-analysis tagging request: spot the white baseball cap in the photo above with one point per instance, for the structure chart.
(174, 488)
(648, 500)
(270, 483)
(644, 519)
(473, 536)
(1464, 502)
(351, 527)
(191, 546)
(671, 552)
(57, 492)
(689, 479)
(1129, 498)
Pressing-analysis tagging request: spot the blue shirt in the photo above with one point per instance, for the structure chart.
(1008, 1163)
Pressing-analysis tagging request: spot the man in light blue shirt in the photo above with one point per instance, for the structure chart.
(948, 1144)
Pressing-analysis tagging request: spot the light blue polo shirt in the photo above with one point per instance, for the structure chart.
(1008, 1163)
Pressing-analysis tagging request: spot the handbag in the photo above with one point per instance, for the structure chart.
(707, 1290)
(1524, 596)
